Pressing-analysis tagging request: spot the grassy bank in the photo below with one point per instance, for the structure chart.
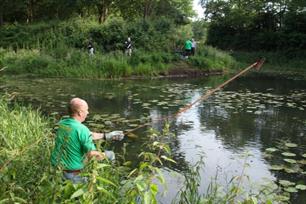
(59, 49)
(71, 62)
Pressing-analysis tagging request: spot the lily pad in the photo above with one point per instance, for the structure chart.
(96, 117)
(304, 155)
(258, 112)
(293, 169)
(283, 197)
(301, 187)
(290, 171)
(303, 161)
(133, 125)
(291, 161)
(291, 190)
(288, 154)
(271, 149)
(276, 167)
(286, 183)
(267, 155)
(291, 144)
(108, 123)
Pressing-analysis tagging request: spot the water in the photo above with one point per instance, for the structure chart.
(247, 117)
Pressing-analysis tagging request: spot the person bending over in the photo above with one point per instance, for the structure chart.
(74, 142)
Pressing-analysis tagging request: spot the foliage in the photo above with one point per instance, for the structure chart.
(256, 25)
(210, 58)
(26, 174)
(65, 62)
(159, 34)
(34, 10)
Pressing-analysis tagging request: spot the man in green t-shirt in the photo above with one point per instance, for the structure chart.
(188, 46)
(74, 142)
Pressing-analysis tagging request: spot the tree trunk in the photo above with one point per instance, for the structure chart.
(103, 12)
(147, 9)
(30, 11)
(1, 18)
(103, 15)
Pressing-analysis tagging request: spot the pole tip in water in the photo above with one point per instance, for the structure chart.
(259, 63)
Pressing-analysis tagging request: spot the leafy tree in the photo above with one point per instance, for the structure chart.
(256, 24)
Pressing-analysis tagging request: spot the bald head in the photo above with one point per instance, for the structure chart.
(76, 105)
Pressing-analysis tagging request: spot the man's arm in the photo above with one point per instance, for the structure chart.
(114, 135)
(97, 136)
(98, 155)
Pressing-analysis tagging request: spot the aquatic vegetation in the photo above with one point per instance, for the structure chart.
(271, 149)
(288, 154)
(291, 144)
(301, 187)
(289, 166)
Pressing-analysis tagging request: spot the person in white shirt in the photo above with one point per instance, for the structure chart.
(193, 47)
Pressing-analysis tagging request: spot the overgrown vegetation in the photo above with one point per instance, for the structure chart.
(60, 49)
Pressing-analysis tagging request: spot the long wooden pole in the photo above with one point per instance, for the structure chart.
(256, 65)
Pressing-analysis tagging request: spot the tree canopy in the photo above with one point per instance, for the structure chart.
(256, 24)
(36, 10)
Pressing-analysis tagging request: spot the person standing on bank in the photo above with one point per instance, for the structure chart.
(193, 47)
(74, 142)
(188, 46)
(128, 47)
(91, 50)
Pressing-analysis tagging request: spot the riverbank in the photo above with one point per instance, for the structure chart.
(74, 63)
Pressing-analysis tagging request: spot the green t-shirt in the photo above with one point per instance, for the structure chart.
(73, 141)
(188, 45)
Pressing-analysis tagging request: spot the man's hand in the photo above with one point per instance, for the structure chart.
(114, 135)
(98, 155)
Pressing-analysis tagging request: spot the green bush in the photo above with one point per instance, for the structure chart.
(210, 58)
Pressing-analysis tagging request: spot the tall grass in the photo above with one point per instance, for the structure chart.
(69, 62)
(210, 58)
(25, 146)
